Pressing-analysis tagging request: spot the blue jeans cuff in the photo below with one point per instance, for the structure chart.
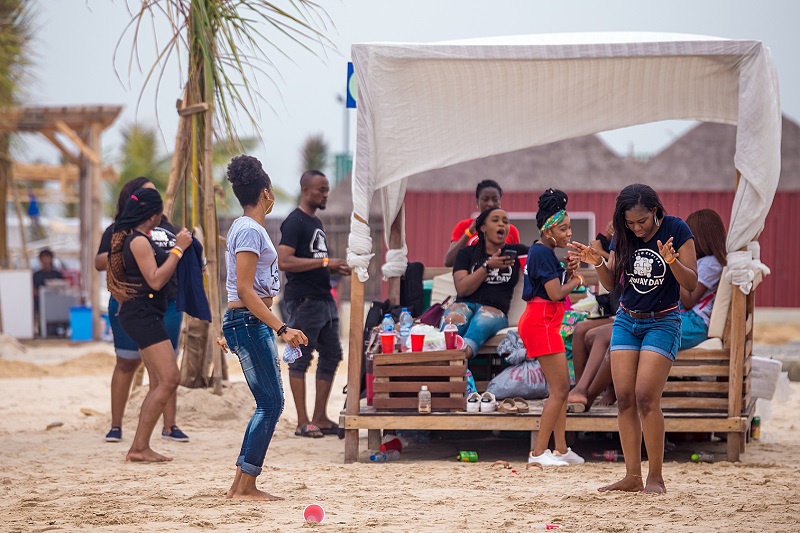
(251, 470)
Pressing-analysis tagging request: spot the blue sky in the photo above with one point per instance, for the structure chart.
(76, 39)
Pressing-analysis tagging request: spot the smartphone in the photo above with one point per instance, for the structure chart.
(510, 253)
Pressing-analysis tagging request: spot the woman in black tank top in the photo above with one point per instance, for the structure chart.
(137, 272)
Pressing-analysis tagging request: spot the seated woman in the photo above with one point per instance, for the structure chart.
(709, 241)
(485, 275)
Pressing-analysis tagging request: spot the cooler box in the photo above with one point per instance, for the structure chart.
(80, 322)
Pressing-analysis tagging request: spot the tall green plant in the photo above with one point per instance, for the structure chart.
(16, 33)
(315, 153)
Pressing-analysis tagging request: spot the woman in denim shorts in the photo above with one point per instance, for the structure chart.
(653, 256)
(249, 326)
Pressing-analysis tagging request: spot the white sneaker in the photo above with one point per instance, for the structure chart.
(488, 403)
(570, 457)
(474, 403)
(547, 459)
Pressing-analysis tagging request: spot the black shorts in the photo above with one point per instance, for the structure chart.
(143, 320)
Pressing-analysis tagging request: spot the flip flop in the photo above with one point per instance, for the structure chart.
(575, 407)
(522, 405)
(507, 406)
(333, 430)
(309, 430)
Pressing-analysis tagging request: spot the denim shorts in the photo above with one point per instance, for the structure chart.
(660, 335)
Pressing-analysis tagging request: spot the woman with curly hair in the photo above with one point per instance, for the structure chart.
(653, 257)
(138, 272)
(547, 285)
(249, 325)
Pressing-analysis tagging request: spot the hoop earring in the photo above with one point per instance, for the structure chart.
(555, 242)
(656, 221)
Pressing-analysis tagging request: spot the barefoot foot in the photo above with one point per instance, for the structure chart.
(255, 495)
(627, 484)
(146, 456)
(577, 397)
(655, 486)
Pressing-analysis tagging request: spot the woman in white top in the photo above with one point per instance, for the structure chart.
(249, 326)
(709, 241)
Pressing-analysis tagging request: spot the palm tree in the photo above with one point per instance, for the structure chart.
(139, 157)
(16, 32)
(224, 42)
(315, 153)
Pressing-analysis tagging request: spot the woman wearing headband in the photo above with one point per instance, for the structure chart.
(138, 271)
(547, 285)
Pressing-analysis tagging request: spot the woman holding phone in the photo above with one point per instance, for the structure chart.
(485, 275)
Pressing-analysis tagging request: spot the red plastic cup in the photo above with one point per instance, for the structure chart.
(387, 342)
(450, 339)
(392, 444)
(417, 342)
(314, 513)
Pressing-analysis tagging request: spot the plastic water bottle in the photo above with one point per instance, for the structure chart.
(424, 400)
(609, 455)
(382, 457)
(406, 321)
(702, 457)
(387, 326)
(291, 354)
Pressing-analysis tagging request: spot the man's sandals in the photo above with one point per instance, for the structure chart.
(309, 430)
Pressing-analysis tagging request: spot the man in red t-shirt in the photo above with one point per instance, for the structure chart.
(488, 194)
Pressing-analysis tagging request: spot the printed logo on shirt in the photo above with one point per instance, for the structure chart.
(649, 269)
(319, 244)
(163, 238)
(497, 276)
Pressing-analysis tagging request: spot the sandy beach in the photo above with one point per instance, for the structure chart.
(68, 479)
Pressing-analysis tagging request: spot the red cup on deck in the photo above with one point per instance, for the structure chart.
(387, 342)
(314, 513)
(450, 339)
(417, 342)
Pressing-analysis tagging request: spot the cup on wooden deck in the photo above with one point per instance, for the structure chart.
(417, 342)
(387, 342)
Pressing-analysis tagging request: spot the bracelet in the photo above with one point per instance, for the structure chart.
(282, 330)
(178, 254)
(603, 262)
(468, 234)
(581, 280)
(325, 262)
(486, 265)
(673, 260)
(181, 250)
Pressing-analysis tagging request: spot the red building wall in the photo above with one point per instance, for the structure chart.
(431, 215)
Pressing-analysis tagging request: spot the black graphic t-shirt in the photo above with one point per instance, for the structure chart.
(307, 236)
(498, 287)
(162, 236)
(649, 282)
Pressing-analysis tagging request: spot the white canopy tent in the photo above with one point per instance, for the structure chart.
(427, 106)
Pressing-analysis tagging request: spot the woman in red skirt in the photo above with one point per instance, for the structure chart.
(547, 284)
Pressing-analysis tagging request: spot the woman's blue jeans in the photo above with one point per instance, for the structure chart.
(253, 342)
(481, 324)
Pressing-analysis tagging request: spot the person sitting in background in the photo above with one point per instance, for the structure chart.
(485, 276)
(40, 277)
(709, 241)
(488, 194)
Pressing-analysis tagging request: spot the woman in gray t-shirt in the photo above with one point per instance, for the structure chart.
(249, 325)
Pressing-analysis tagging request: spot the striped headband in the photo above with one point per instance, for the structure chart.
(555, 219)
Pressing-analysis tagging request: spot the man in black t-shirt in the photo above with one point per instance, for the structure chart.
(303, 256)
(40, 277)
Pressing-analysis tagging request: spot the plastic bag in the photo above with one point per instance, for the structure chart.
(525, 380)
(587, 305)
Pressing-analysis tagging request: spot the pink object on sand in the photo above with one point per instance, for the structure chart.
(314, 513)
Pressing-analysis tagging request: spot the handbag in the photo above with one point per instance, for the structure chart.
(433, 315)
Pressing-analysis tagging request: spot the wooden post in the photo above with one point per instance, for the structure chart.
(736, 369)
(356, 344)
(212, 242)
(95, 181)
(395, 242)
(177, 171)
